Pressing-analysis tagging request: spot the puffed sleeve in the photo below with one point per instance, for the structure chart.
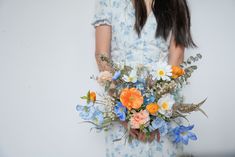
(103, 13)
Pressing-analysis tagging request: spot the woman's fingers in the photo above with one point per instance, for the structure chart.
(134, 133)
(142, 136)
(152, 136)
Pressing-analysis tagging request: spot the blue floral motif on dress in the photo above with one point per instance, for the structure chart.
(128, 48)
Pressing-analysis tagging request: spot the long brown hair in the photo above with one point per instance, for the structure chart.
(170, 15)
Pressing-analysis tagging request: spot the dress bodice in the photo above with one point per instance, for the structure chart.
(126, 46)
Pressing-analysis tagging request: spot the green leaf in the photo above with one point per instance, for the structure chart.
(194, 67)
(107, 86)
(106, 129)
(85, 108)
(84, 97)
(88, 96)
(199, 55)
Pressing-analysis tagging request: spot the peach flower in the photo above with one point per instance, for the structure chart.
(131, 98)
(139, 118)
(104, 77)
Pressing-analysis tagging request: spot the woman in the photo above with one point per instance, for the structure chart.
(137, 32)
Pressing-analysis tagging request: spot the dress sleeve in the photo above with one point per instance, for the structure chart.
(103, 13)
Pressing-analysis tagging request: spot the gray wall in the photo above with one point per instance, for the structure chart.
(46, 58)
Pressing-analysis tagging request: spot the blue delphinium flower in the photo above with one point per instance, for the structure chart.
(116, 75)
(149, 99)
(142, 79)
(120, 111)
(90, 113)
(85, 112)
(160, 124)
(182, 134)
(98, 117)
(79, 108)
(164, 129)
(139, 86)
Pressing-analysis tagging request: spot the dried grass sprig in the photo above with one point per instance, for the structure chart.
(181, 108)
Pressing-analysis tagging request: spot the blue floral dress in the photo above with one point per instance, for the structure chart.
(127, 48)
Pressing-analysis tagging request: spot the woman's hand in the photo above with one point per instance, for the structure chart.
(133, 132)
(142, 136)
(139, 135)
(152, 136)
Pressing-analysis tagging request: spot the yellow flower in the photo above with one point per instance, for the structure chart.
(152, 108)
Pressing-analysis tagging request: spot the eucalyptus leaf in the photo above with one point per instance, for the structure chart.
(83, 97)
(199, 55)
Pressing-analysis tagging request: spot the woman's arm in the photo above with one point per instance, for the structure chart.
(176, 53)
(102, 45)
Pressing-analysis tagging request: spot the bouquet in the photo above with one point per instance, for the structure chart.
(146, 97)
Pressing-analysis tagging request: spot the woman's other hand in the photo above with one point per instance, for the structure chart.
(138, 134)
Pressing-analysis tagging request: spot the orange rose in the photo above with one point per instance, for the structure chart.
(152, 108)
(92, 96)
(177, 71)
(131, 98)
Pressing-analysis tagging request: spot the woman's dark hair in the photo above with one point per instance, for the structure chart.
(170, 15)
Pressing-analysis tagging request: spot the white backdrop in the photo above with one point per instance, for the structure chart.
(47, 56)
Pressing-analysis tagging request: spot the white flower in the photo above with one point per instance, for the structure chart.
(120, 65)
(162, 71)
(165, 103)
(131, 78)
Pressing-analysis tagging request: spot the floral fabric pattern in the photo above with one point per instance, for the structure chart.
(127, 48)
